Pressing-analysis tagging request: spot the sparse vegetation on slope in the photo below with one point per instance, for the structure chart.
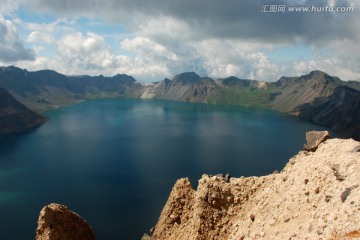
(252, 97)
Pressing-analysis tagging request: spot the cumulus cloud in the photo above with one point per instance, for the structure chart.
(7, 7)
(88, 53)
(148, 49)
(84, 51)
(37, 36)
(340, 60)
(166, 37)
(12, 48)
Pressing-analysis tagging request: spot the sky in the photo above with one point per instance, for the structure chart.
(154, 39)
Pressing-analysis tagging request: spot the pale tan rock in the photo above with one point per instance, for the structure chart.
(306, 200)
(145, 237)
(176, 214)
(57, 222)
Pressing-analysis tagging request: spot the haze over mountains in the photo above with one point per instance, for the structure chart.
(318, 97)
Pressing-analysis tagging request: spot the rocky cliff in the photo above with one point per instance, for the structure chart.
(316, 196)
(16, 117)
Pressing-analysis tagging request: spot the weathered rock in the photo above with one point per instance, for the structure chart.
(145, 237)
(227, 177)
(152, 230)
(57, 222)
(176, 213)
(356, 149)
(314, 138)
(311, 204)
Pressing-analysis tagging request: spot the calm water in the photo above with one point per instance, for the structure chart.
(114, 161)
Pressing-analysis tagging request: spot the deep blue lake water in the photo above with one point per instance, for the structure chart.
(114, 161)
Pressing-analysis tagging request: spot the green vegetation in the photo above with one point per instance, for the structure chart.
(47, 102)
(248, 97)
(102, 94)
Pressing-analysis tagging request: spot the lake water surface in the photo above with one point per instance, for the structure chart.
(114, 161)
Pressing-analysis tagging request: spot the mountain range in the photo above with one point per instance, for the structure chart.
(317, 97)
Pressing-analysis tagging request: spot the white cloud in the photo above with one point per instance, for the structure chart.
(79, 53)
(12, 48)
(92, 55)
(44, 33)
(7, 7)
(86, 52)
(40, 37)
(148, 49)
(167, 37)
(338, 60)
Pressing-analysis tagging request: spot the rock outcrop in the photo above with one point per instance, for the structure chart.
(314, 138)
(316, 196)
(57, 222)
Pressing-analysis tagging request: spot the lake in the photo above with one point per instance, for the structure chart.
(114, 161)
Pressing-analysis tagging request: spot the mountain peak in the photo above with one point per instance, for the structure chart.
(187, 77)
(316, 74)
(323, 78)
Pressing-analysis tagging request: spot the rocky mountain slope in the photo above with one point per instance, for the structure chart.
(318, 97)
(316, 196)
(291, 92)
(322, 99)
(339, 111)
(15, 117)
(47, 89)
(183, 87)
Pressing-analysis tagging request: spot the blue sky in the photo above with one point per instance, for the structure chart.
(154, 39)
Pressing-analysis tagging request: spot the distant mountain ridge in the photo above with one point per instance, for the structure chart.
(317, 96)
(47, 89)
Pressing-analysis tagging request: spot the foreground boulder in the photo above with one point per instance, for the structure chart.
(57, 222)
(316, 196)
(314, 138)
